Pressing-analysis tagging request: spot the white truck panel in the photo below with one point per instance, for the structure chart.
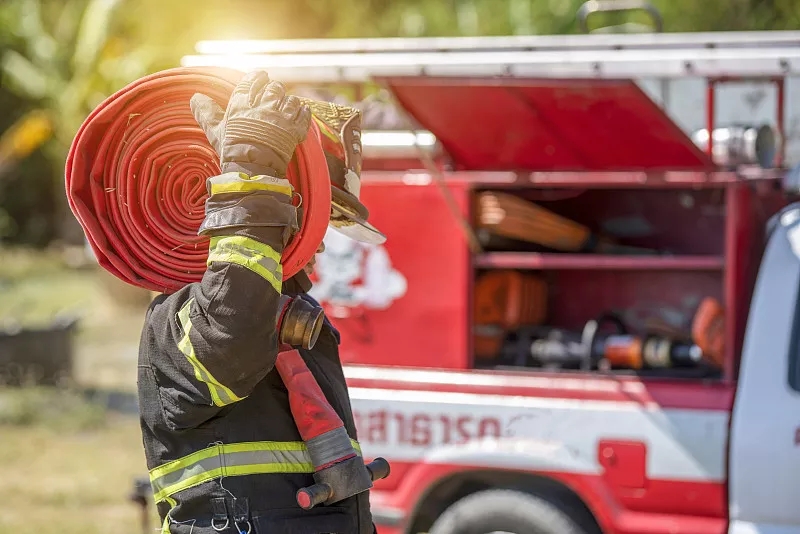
(539, 433)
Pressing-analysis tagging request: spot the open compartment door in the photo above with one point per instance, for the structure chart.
(547, 124)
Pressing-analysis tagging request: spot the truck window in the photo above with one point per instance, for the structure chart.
(794, 349)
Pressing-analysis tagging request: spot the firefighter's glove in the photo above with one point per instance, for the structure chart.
(255, 138)
(259, 131)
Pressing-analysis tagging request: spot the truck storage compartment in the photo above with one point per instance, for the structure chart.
(687, 225)
(626, 280)
(611, 242)
(613, 274)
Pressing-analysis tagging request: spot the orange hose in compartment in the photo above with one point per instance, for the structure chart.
(135, 180)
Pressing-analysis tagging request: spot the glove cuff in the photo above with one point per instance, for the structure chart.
(226, 213)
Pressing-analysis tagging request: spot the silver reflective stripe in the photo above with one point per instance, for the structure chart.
(330, 446)
(250, 254)
(233, 459)
(229, 460)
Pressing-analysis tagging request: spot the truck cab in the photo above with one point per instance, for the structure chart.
(583, 319)
(764, 447)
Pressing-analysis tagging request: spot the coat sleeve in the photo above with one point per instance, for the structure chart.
(216, 339)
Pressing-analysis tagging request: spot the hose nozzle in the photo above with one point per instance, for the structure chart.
(300, 323)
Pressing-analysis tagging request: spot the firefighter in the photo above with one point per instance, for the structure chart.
(223, 450)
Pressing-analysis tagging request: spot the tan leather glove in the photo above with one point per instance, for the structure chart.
(259, 131)
(255, 138)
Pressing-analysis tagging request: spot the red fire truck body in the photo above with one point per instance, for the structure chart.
(568, 124)
(634, 450)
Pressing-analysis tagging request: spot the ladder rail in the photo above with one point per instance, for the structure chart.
(745, 63)
(702, 40)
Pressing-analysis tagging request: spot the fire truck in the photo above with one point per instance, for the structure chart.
(585, 316)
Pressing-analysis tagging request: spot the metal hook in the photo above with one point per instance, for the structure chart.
(249, 527)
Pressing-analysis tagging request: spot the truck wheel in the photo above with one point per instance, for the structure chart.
(504, 512)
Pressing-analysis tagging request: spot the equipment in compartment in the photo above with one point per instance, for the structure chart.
(708, 330)
(511, 217)
(505, 301)
(594, 348)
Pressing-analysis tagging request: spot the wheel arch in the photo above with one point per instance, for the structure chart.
(451, 488)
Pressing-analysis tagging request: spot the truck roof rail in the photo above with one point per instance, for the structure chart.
(695, 40)
(746, 55)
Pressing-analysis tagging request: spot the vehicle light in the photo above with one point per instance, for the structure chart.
(736, 145)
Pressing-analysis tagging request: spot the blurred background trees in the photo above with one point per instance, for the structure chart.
(58, 59)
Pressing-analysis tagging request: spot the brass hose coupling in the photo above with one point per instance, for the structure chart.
(299, 322)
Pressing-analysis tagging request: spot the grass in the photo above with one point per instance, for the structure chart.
(61, 410)
(36, 287)
(67, 464)
(71, 482)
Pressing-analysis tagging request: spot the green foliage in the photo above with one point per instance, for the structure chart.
(373, 18)
(67, 56)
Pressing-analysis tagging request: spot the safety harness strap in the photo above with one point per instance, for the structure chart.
(231, 459)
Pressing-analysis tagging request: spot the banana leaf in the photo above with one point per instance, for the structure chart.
(93, 33)
(24, 77)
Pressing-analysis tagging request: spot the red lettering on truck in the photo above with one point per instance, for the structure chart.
(423, 429)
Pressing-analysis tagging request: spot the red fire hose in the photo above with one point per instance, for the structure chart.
(135, 180)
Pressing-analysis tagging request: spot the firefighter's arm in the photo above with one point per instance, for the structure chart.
(224, 327)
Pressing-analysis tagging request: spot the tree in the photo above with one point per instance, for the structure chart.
(63, 58)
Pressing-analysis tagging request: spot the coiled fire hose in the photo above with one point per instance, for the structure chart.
(136, 181)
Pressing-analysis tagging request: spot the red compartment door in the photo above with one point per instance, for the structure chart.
(547, 124)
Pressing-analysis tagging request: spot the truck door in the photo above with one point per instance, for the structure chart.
(764, 461)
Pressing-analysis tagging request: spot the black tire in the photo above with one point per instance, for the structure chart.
(504, 511)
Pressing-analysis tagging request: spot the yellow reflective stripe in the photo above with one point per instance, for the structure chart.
(238, 182)
(242, 470)
(186, 461)
(325, 129)
(172, 504)
(220, 395)
(233, 459)
(258, 257)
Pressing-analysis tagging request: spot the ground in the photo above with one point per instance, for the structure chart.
(68, 463)
(71, 482)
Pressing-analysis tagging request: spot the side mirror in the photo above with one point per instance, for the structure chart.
(791, 181)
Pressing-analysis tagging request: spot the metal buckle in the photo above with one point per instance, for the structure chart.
(223, 527)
